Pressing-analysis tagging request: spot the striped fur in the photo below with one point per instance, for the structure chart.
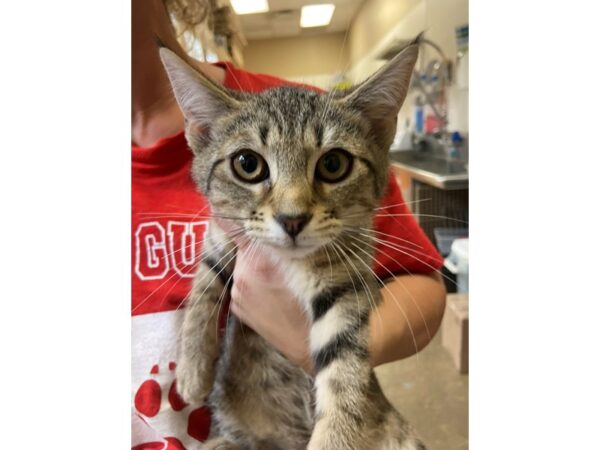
(260, 400)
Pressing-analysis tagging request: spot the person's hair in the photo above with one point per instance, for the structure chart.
(212, 22)
(188, 15)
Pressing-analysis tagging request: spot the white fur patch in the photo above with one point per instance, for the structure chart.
(324, 398)
(409, 445)
(318, 436)
(301, 282)
(392, 444)
(327, 327)
(328, 136)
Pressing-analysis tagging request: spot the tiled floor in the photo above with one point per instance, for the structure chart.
(431, 394)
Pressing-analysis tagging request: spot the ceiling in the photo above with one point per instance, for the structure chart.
(283, 19)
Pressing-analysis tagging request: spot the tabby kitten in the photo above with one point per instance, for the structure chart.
(294, 171)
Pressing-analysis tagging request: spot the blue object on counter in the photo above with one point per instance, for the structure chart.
(419, 116)
(454, 148)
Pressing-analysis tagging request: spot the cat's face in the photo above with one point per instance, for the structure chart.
(290, 168)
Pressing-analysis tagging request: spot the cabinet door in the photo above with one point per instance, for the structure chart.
(438, 208)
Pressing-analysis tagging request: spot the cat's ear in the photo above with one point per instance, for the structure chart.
(201, 100)
(380, 97)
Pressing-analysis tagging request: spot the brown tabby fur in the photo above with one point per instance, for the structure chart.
(260, 400)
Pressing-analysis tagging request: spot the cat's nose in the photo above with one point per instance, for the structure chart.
(293, 225)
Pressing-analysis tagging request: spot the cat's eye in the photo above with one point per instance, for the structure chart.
(249, 166)
(334, 166)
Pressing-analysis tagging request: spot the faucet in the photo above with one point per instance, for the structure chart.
(425, 144)
(436, 69)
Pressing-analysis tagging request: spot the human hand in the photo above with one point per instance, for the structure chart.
(261, 300)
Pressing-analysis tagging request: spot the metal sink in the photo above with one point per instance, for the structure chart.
(441, 173)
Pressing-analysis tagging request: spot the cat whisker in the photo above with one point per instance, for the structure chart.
(165, 214)
(228, 239)
(409, 214)
(397, 245)
(402, 204)
(362, 213)
(435, 216)
(252, 252)
(192, 217)
(414, 338)
(370, 298)
(177, 211)
(341, 259)
(189, 218)
(393, 275)
(331, 93)
(221, 302)
(145, 299)
(175, 283)
(372, 230)
(209, 284)
(330, 263)
(231, 235)
(405, 250)
(214, 251)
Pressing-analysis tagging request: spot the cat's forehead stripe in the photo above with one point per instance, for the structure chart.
(289, 113)
(264, 132)
(319, 134)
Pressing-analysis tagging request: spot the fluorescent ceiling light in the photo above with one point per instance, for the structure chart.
(249, 6)
(316, 15)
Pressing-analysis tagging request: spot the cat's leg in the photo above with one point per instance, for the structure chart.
(339, 347)
(260, 399)
(221, 443)
(351, 411)
(199, 346)
(398, 434)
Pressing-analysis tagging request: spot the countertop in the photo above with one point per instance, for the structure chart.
(436, 172)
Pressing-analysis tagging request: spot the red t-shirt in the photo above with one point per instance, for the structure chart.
(167, 234)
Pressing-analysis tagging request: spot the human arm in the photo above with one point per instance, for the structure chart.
(407, 318)
(409, 302)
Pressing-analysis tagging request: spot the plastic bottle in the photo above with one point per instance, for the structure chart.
(431, 122)
(454, 149)
(419, 116)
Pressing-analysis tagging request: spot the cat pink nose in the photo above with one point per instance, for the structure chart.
(293, 225)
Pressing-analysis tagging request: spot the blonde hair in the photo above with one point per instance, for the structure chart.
(211, 22)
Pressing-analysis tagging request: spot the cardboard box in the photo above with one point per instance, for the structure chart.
(455, 330)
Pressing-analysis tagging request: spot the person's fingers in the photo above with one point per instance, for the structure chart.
(235, 303)
(231, 230)
(225, 225)
(256, 263)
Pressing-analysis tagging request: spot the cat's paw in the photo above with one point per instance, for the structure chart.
(194, 381)
(220, 444)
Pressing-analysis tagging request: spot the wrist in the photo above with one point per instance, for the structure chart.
(375, 340)
(303, 359)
